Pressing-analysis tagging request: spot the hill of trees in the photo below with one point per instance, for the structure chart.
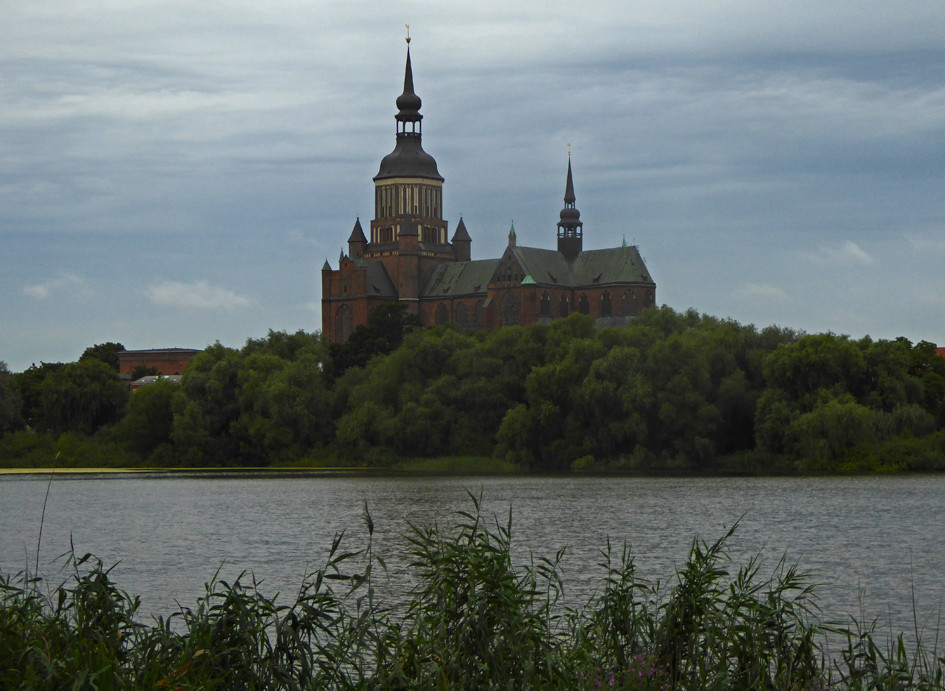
(670, 391)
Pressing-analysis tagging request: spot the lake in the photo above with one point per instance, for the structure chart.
(876, 544)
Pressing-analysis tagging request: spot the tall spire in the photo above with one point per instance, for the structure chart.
(569, 197)
(570, 227)
(408, 103)
(408, 159)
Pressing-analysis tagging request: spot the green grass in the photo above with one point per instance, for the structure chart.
(474, 620)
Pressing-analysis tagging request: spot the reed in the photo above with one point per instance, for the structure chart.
(473, 620)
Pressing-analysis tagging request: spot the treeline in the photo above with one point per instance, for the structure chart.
(679, 391)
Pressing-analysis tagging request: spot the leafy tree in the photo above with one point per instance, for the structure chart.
(384, 332)
(10, 403)
(106, 352)
(206, 406)
(29, 384)
(143, 371)
(82, 397)
(150, 418)
(825, 434)
(264, 403)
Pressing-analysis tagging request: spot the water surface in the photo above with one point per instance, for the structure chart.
(874, 543)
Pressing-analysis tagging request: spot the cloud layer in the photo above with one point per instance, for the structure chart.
(199, 295)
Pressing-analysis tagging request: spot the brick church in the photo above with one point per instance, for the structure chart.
(411, 259)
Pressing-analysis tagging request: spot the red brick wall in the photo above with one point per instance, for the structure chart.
(165, 363)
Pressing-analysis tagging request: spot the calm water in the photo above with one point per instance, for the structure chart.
(874, 543)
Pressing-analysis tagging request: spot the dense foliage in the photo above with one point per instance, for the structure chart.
(472, 621)
(671, 390)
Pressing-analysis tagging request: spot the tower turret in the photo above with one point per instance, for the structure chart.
(356, 241)
(570, 227)
(461, 242)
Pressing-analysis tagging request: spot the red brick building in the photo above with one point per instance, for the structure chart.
(409, 259)
(167, 361)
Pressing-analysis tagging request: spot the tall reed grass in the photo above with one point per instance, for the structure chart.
(473, 621)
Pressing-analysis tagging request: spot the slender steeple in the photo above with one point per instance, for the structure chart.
(408, 105)
(570, 227)
(408, 159)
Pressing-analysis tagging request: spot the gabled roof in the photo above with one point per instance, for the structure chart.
(614, 265)
(460, 278)
(589, 268)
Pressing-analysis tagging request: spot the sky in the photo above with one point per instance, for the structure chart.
(175, 173)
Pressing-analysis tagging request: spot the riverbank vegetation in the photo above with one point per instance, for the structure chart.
(670, 392)
(471, 620)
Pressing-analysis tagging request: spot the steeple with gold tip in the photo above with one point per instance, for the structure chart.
(408, 159)
(570, 227)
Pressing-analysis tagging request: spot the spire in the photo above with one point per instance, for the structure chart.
(569, 197)
(357, 241)
(461, 242)
(357, 234)
(570, 227)
(513, 240)
(408, 104)
(461, 234)
(408, 159)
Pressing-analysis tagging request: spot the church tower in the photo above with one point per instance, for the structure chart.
(408, 233)
(408, 181)
(570, 227)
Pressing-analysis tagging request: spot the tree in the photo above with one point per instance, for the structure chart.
(10, 403)
(143, 371)
(82, 397)
(106, 352)
(29, 383)
(150, 418)
(383, 333)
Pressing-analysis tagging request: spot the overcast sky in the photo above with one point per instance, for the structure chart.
(174, 173)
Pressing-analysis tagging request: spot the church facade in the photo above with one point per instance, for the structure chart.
(409, 257)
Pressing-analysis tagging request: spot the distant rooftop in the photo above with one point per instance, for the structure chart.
(151, 351)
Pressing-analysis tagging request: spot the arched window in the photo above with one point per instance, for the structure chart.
(442, 314)
(583, 305)
(606, 306)
(563, 306)
(479, 315)
(344, 324)
(544, 306)
(511, 306)
(628, 305)
(461, 314)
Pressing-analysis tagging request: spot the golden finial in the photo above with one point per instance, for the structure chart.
(569, 149)
(407, 26)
